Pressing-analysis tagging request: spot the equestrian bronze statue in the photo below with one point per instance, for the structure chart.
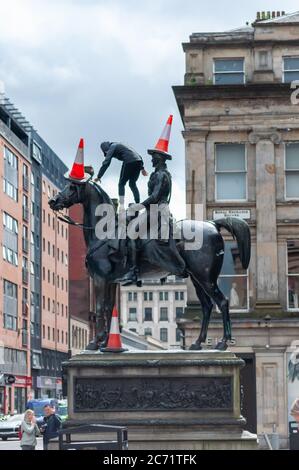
(109, 259)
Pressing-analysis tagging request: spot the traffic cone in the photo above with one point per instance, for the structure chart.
(114, 341)
(77, 172)
(162, 144)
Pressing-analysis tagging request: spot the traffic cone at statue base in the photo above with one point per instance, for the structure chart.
(77, 173)
(162, 145)
(114, 341)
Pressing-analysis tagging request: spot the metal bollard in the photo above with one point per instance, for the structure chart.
(275, 439)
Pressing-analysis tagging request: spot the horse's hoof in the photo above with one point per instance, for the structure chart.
(222, 346)
(195, 347)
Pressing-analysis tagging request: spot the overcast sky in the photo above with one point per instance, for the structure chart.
(103, 70)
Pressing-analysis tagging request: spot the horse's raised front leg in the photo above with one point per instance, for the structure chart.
(207, 307)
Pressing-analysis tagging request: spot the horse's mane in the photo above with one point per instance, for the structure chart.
(100, 190)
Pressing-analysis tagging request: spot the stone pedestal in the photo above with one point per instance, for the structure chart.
(169, 400)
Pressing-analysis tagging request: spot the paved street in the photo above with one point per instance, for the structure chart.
(14, 444)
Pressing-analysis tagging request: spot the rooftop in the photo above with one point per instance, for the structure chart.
(247, 32)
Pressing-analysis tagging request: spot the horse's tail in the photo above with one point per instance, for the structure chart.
(241, 232)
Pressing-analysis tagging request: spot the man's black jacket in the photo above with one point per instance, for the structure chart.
(121, 152)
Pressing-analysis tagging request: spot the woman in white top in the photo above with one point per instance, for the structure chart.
(29, 430)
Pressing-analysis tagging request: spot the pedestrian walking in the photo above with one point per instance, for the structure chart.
(29, 431)
(50, 426)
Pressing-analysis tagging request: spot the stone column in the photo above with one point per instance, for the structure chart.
(196, 190)
(266, 229)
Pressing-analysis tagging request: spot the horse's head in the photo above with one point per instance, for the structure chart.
(73, 193)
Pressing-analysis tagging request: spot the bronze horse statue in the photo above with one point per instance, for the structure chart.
(203, 265)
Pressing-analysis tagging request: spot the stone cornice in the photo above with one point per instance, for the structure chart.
(200, 135)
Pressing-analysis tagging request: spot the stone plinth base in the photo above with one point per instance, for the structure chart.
(169, 400)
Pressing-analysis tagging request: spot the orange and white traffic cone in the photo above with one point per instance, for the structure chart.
(77, 173)
(161, 147)
(114, 341)
(163, 142)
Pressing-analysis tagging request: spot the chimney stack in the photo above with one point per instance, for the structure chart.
(267, 15)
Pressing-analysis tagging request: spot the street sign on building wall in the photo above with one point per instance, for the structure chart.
(241, 213)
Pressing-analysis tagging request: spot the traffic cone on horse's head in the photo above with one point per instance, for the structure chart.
(114, 341)
(77, 173)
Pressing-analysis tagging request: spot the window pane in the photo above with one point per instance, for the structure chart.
(235, 289)
(291, 63)
(147, 314)
(179, 312)
(293, 291)
(231, 186)
(229, 65)
(163, 314)
(230, 157)
(132, 314)
(292, 156)
(164, 335)
(293, 257)
(232, 263)
(291, 76)
(178, 335)
(229, 78)
(292, 184)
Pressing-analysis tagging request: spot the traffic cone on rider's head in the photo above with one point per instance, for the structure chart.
(114, 341)
(163, 143)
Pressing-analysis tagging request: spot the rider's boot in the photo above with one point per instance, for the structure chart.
(132, 275)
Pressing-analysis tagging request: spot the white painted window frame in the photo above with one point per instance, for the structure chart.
(228, 72)
(230, 172)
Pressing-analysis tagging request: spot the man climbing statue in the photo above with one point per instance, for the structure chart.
(131, 167)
